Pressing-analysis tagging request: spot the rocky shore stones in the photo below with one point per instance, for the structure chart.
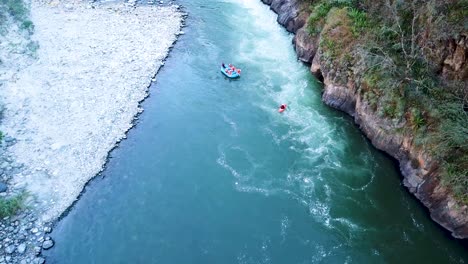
(10, 249)
(47, 229)
(47, 244)
(39, 260)
(3, 187)
(37, 250)
(113, 47)
(21, 248)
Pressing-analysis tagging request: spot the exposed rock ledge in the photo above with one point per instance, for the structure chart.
(70, 107)
(418, 168)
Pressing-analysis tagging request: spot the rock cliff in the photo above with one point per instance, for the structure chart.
(419, 169)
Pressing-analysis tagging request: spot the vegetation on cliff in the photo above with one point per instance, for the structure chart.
(408, 61)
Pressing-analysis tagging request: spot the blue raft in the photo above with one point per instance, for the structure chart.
(233, 74)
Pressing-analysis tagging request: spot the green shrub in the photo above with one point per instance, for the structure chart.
(27, 25)
(360, 21)
(455, 177)
(19, 11)
(320, 11)
(15, 8)
(417, 119)
(11, 206)
(457, 12)
(329, 46)
(32, 47)
(390, 110)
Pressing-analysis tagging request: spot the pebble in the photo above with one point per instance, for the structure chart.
(37, 250)
(10, 249)
(39, 260)
(21, 248)
(34, 230)
(47, 229)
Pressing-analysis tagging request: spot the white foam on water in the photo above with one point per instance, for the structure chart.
(348, 223)
(322, 253)
(274, 136)
(317, 141)
(232, 124)
(321, 212)
(222, 161)
(406, 238)
(265, 252)
(419, 226)
(284, 228)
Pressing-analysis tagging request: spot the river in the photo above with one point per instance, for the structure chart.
(212, 173)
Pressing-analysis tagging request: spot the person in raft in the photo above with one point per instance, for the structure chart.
(223, 65)
(234, 69)
(282, 108)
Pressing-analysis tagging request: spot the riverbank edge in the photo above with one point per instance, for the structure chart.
(26, 225)
(134, 123)
(418, 168)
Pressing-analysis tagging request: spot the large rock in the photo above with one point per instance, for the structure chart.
(305, 45)
(47, 244)
(39, 261)
(267, 2)
(339, 97)
(289, 13)
(10, 249)
(3, 187)
(455, 64)
(21, 248)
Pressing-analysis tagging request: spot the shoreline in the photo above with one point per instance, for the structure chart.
(134, 124)
(146, 34)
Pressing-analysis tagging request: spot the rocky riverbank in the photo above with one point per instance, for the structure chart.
(419, 168)
(70, 103)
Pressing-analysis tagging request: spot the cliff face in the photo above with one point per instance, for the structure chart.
(419, 169)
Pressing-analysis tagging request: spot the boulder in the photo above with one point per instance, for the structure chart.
(21, 248)
(3, 187)
(305, 45)
(47, 244)
(10, 249)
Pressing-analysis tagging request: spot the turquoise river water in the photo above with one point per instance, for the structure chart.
(212, 173)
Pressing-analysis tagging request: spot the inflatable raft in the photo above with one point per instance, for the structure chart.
(226, 70)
